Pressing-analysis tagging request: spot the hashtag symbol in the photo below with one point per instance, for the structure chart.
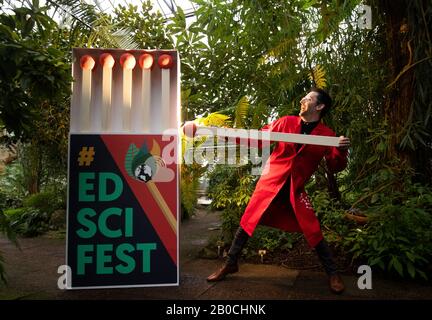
(86, 156)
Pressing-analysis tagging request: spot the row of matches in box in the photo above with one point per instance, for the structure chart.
(119, 97)
(127, 61)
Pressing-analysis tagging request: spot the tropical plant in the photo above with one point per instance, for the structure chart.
(146, 26)
(398, 237)
(6, 229)
(34, 74)
(269, 53)
(29, 222)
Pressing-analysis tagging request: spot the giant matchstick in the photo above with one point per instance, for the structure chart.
(142, 120)
(128, 62)
(107, 61)
(87, 64)
(191, 130)
(165, 63)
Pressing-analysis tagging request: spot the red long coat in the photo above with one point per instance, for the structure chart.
(290, 212)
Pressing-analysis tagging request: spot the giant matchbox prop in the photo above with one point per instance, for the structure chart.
(123, 196)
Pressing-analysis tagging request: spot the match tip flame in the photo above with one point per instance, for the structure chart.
(127, 61)
(165, 61)
(106, 60)
(87, 62)
(146, 61)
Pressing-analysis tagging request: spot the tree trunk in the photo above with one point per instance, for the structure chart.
(325, 177)
(399, 54)
(332, 186)
(34, 168)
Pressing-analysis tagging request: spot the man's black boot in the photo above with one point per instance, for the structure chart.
(336, 283)
(231, 265)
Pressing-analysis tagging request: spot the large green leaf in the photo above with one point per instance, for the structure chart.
(129, 158)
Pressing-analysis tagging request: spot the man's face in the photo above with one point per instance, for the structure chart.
(308, 104)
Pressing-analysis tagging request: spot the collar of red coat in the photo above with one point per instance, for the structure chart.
(319, 129)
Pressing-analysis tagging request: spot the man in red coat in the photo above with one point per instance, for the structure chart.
(279, 199)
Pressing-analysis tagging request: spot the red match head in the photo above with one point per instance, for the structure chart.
(106, 60)
(146, 61)
(165, 61)
(87, 62)
(189, 129)
(127, 61)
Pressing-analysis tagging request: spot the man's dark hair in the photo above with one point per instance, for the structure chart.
(323, 97)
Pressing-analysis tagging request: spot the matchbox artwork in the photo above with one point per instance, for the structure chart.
(123, 195)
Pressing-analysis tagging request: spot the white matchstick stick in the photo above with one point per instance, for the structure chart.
(192, 130)
(107, 61)
(165, 63)
(142, 121)
(87, 64)
(128, 62)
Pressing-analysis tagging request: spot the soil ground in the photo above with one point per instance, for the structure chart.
(32, 274)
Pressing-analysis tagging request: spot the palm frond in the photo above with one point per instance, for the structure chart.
(241, 112)
(318, 76)
(215, 119)
(105, 34)
(259, 116)
(102, 32)
(123, 39)
(75, 11)
(282, 47)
